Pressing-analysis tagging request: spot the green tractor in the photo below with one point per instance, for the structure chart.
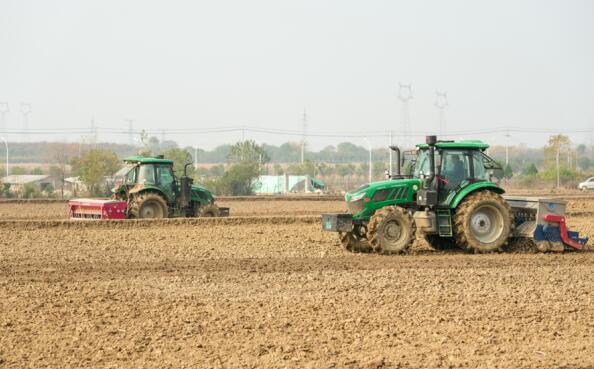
(448, 198)
(151, 190)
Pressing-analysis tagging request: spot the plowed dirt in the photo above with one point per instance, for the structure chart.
(258, 294)
(262, 207)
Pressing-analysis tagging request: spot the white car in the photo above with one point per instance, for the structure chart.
(588, 184)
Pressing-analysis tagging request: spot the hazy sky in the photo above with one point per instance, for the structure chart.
(206, 64)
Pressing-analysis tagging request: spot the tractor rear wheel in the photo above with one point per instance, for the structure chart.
(441, 243)
(391, 230)
(208, 211)
(148, 205)
(483, 222)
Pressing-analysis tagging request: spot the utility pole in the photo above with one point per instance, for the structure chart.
(390, 154)
(304, 136)
(369, 146)
(3, 111)
(441, 102)
(25, 110)
(507, 136)
(93, 133)
(558, 155)
(196, 157)
(405, 95)
(6, 145)
(130, 132)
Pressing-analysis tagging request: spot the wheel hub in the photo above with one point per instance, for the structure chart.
(148, 211)
(393, 231)
(486, 224)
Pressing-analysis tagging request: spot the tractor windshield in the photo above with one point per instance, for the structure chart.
(125, 174)
(423, 166)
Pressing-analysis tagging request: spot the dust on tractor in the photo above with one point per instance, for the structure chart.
(448, 198)
(146, 187)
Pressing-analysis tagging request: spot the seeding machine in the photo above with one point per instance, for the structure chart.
(146, 187)
(448, 197)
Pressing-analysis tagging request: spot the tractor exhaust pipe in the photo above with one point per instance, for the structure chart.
(185, 195)
(431, 141)
(396, 149)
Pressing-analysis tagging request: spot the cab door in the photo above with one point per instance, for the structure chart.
(166, 181)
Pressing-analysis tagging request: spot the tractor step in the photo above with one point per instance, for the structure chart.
(92, 209)
(444, 223)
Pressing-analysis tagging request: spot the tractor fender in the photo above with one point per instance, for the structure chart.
(140, 188)
(478, 186)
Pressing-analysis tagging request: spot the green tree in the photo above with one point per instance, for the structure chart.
(36, 171)
(93, 165)
(180, 158)
(18, 171)
(238, 179)
(216, 170)
(31, 191)
(248, 151)
(508, 172)
(278, 169)
(531, 170)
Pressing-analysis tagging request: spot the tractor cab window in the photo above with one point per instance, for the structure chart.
(165, 175)
(124, 175)
(456, 167)
(146, 174)
(423, 166)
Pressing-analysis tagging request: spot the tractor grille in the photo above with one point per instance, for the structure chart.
(355, 206)
(399, 193)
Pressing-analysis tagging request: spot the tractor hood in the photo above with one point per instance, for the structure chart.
(365, 200)
(371, 188)
(202, 192)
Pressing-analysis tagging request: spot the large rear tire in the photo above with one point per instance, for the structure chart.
(391, 230)
(483, 222)
(148, 205)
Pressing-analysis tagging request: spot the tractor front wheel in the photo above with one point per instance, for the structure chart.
(148, 205)
(208, 211)
(391, 230)
(483, 222)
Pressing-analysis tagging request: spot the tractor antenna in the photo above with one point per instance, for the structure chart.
(441, 102)
(25, 111)
(3, 111)
(405, 95)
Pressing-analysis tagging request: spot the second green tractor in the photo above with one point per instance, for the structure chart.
(447, 197)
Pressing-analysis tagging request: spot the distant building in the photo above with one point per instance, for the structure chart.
(16, 183)
(270, 185)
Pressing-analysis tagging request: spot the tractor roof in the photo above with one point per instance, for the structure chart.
(147, 160)
(464, 144)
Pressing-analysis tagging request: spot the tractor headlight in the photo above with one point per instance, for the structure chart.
(357, 197)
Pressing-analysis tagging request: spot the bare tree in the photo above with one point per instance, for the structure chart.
(61, 155)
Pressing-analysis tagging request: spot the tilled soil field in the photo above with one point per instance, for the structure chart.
(262, 207)
(278, 292)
